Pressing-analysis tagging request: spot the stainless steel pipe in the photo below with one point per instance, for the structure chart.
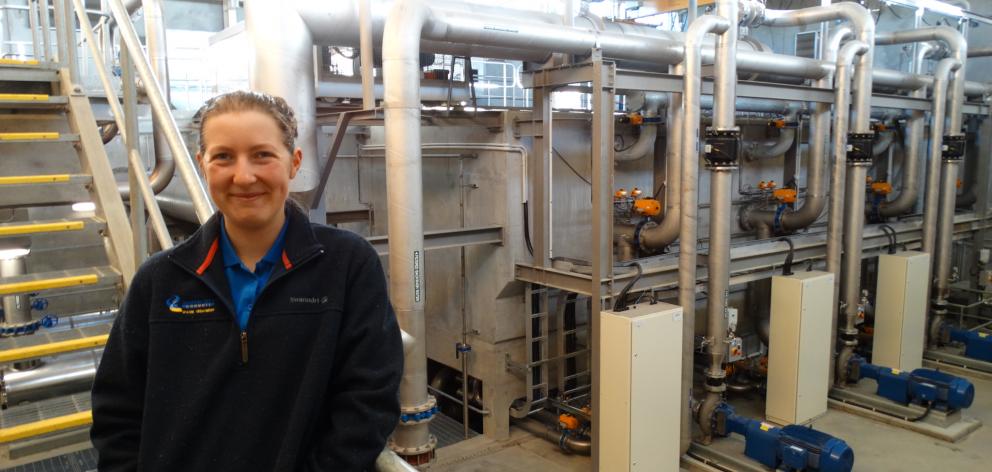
(835, 222)
(945, 230)
(160, 108)
(155, 39)
(649, 132)
(404, 193)
(931, 205)
(912, 150)
(721, 185)
(62, 375)
(692, 72)
(16, 308)
(816, 194)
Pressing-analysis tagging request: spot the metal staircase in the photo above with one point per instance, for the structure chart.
(52, 156)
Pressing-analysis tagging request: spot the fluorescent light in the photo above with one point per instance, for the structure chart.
(6, 254)
(83, 207)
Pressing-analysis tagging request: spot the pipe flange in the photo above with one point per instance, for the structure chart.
(752, 12)
(422, 413)
(952, 148)
(722, 148)
(859, 148)
(744, 217)
(427, 447)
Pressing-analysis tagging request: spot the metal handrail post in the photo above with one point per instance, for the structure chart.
(60, 47)
(134, 158)
(33, 24)
(46, 31)
(160, 109)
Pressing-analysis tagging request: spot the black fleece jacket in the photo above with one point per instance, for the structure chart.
(311, 385)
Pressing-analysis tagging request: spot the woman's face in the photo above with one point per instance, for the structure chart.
(247, 167)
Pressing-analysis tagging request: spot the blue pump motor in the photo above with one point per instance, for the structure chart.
(977, 345)
(788, 448)
(921, 386)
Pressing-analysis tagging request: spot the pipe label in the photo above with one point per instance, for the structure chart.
(416, 276)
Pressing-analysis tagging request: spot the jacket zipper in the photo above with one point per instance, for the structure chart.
(244, 347)
(244, 332)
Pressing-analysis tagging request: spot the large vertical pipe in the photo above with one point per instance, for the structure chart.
(366, 48)
(945, 229)
(931, 206)
(691, 86)
(721, 178)
(835, 224)
(404, 193)
(282, 64)
(155, 42)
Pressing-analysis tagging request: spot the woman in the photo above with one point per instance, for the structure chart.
(263, 342)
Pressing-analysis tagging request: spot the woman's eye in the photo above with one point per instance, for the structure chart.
(220, 157)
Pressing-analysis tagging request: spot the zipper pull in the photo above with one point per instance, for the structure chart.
(244, 347)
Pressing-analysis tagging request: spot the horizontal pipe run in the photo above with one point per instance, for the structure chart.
(62, 375)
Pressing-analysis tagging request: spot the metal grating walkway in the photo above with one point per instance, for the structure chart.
(82, 461)
(448, 430)
(44, 409)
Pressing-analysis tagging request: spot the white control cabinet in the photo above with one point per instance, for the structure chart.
(799, 347)
(640, 382)
(901, 310)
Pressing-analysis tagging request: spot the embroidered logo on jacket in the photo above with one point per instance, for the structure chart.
(191, 307)
(309, 300)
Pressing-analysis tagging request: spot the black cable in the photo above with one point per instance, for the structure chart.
(569, 165)
(530, 247)
(787, 266)
(891, 233)
(926, 413)
(621, 303)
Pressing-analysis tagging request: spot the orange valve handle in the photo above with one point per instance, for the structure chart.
(647, 207)
(568, 422)
(785, 195)
(881, 188)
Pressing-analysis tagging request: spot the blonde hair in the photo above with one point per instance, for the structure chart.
(243, 100)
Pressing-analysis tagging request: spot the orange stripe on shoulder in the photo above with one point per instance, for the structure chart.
(285, 261)
(210, 257)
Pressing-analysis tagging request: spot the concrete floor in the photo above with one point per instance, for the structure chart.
(877, 447)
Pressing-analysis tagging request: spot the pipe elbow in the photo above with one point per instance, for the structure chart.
(643, 146)
(850, 50)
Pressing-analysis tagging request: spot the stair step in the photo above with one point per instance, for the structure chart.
(19, 62)
(41, 136)
(49, 281)
(44, 190)
(49, 226)
(55, 341)
(32, 101)
(17, 71)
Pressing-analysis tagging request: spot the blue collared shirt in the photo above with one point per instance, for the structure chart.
(245, 284)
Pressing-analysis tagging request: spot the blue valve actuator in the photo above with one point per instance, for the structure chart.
(977, 345)
(920, 386)
(787, 448)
